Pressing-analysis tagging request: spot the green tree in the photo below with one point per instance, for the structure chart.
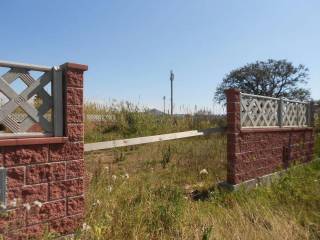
(274, 78)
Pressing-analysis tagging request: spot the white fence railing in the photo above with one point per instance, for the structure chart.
(261, 111)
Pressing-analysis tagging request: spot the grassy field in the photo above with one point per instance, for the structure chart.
(145, 200)
(168, 190)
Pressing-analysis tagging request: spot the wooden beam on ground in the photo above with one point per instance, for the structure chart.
(150, 139)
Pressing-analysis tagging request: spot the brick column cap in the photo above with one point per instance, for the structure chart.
(232, 90)
(75, 66)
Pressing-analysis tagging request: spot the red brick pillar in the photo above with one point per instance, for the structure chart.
(45, 174)
(233, 130)
(72, 189)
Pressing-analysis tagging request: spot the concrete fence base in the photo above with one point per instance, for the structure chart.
(265, 180)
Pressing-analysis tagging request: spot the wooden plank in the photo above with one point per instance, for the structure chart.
(150, 139)
(25, 66)
(57, 93)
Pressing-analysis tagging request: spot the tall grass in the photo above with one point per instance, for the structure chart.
(317, 132)
(180, 203)
(125, 120)
(160, 191)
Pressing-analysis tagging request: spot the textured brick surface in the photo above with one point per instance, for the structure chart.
(74, 114)
(47, 211)
(8, 156)
(30, 232)
(45, 172)
(13, 219)
(22, 155)
(68, 188)
(66, 151)
(75, 132)
(75, 205)
(256, 154)
(35, 192)
(66, 225)
(15, 177)
(74, 150)
(1, 159)
(74, 96)
(74, 169)
(74, 78)
(56, 152)
(45, 179)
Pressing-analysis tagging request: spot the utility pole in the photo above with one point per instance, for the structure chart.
(164, 104)
(213, 106)
(171, 80)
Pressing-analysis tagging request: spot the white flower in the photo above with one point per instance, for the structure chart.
(3, 206)
(85, 227)
(38, 203)
(204, 172)
(106, 168)
(27, 206)
(13, 203)
(114, 177)
(126, 175)
(97, 203)
(109, 189)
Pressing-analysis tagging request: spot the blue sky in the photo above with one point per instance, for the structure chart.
(130, 46)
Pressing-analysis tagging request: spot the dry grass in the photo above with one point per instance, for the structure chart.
(147, 200)
(156, 191)
(125, 120)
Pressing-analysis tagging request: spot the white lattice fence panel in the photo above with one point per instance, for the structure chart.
(31, 115)
(35, 101)
(302, 114)
(258, 111)
(294, 113)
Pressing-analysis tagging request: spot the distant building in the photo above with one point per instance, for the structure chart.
(155, 111)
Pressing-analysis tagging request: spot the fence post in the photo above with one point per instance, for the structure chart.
(73, 150)
(3, 185)
(280, 110)
(297, 113)
(57, 93)
(311, 113)
(233, 130)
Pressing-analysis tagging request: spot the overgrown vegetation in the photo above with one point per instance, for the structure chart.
(143, 200)
(168, 190)
(317, 133)
(125, 120)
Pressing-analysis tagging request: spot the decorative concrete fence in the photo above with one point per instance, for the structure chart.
(41, 154)
(266, 135)
(41, 145)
